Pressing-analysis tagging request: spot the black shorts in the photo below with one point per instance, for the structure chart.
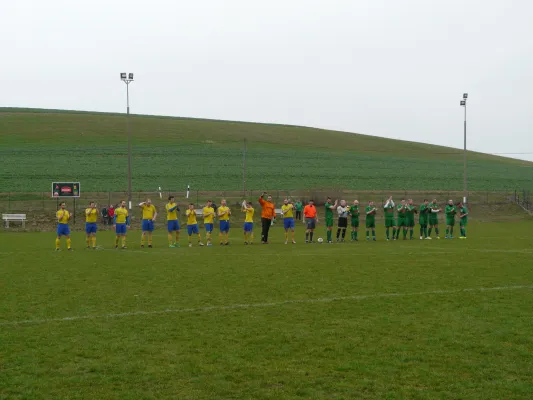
(343, 222)
(311, 223)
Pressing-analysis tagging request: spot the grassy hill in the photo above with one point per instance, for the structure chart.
(39, 146)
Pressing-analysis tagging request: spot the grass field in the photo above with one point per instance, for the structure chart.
(416, 319)
(41, 146)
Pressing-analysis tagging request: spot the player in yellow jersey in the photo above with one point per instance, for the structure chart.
(173, 223)
(192, 225)
(91, 215)
(121, 220)
(208, 213)
(287, 210)
(63, 216)
(148, 219)
(224, 213)
(248, 222)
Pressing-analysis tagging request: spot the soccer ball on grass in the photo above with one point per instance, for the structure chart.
(320, 240)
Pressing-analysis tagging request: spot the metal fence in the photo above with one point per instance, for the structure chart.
(523, 199)
(44, 203)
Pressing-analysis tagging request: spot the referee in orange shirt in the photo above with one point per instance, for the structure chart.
(267, 214)
(311, 219)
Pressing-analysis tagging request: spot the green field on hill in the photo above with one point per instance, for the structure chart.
(40, 146)
(439, 319)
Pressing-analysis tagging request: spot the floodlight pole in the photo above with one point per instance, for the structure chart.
(129, 142)
(465, 188)
(244, 169)
(464, 162)
(127, 79)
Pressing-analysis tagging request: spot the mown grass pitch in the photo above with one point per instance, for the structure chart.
(416, 319)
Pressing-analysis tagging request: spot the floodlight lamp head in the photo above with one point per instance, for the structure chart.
(463, 102)
(465, 95)
(122, 75)
(130, 76)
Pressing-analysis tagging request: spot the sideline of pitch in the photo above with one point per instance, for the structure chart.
(262, 305)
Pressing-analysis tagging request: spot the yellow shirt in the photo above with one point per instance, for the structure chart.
(249, 214)
(208, 219)
(121, 214)
(223, 209)
(91, 215)
(172, 215)
(62, 216)
(289, 213)
(148, 211)
(191, 217)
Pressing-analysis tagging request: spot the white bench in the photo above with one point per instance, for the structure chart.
(15, 218)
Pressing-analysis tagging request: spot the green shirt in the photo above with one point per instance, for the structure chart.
(354, 211)
(401, 210)
(298, 206)
(410, 211)
(424, 210)
(464, 211)
(389, 211)
(329, 211)
(370, 217)
(450, 211)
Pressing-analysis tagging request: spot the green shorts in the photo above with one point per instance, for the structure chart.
(390, 222)
(423, 221)
(355, 223)
(402, 222)
(450, 221)
(371, 224)
(463, 222)
(410, 222)
(433, 221)
(329, 222)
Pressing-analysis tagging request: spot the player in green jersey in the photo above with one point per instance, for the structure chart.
(410, 217)
(423, 219)
(450, 210)
(354, 212)
(463, 219)
(389, 218)
(329, 217)
(402, 220)
(434, 211)
(370, 212)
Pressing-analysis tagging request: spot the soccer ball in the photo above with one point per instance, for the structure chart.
(320, 240)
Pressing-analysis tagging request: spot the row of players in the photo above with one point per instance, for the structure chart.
(403, 222)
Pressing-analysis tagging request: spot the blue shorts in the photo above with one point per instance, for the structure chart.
(208, 227)
(63, 230)
(288, 223)
(224, 226)
(173, 225)
(192, 229)
(148, 225)
(120, 229)
(90, 227)
(248, 226)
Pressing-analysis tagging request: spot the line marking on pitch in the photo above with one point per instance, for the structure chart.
(261, 305)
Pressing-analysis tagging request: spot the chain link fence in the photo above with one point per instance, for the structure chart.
(523, 199)
(41, 206)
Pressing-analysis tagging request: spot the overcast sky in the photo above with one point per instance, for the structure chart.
(393, 68)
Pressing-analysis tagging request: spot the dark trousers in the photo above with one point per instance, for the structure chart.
(265, 227)
(298, 215)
